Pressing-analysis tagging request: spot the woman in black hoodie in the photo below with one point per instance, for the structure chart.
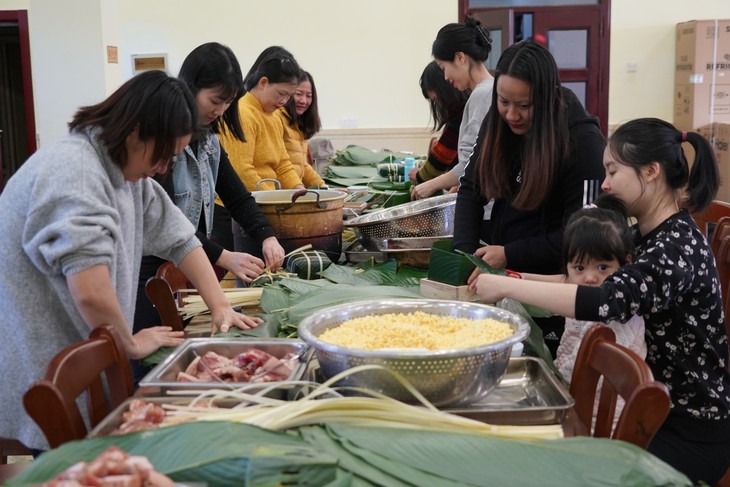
(538, 158)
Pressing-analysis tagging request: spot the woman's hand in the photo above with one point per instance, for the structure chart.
(246, 267)
(147, 341)
(224, 318)
(423, 190)
(273, 253)
(494, 257)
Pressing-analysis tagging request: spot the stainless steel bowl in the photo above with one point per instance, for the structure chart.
(445, 377)
(430, 217)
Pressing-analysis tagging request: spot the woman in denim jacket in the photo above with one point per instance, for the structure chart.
(203, 170)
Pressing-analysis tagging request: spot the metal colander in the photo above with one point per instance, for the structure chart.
(430, 217)
(445, 377)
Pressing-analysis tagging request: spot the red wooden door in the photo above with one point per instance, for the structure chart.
(577, 36)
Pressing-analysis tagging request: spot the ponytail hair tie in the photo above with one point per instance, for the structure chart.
(684, 136)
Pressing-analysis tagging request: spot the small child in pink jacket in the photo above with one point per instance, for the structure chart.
(597, 241)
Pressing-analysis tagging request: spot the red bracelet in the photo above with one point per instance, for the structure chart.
(514, 274)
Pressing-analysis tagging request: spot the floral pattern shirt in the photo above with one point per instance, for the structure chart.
(673, 283)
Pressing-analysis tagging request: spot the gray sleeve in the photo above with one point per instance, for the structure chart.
(475, 110)
(71, 223)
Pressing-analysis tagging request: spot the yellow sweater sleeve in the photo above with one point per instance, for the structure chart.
(241, 154)
(296, 147)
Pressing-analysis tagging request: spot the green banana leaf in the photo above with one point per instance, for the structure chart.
(345, 182)
(335, 294)
(340, 455)
(438, 458)
(355, 154)
(534, 311)
(350, 172)
(217, 453)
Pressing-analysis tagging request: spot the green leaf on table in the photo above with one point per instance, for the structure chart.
(421, 457)
(345, 293)
(533, 311)
(217, 453)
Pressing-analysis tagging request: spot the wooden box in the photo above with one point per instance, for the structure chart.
(440, 290)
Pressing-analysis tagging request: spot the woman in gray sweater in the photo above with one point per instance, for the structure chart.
(77, 218)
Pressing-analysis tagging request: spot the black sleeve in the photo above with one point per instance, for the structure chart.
(240, 203)
(470, 203)
(211, 249)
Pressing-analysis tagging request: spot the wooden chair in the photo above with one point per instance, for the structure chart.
(707, 219)
(161, 290)
(723, 269)
(11, 448)
(624, 374)
(721, 230)
(51, 402)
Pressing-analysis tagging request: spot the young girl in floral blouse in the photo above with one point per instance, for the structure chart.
(673, 283)
(597, 241)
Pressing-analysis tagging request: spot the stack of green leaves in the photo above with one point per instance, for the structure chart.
(339, 455)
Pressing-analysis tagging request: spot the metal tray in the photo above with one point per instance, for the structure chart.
(114, 419)
(391, 249)
(164, 374)
(356, 253)
(528, 394)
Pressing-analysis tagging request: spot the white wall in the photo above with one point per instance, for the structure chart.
(366, 57)
(643, 32)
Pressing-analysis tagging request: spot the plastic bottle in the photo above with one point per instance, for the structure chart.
(410, 163)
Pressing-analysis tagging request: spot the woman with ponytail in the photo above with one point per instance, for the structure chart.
(461, 50)
(672, 283)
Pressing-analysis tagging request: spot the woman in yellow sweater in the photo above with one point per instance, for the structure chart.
(300, 118)
(263, 154)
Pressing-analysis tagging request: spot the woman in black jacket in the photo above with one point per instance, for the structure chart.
(538, 158)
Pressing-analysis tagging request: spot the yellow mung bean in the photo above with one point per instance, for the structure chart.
(419, 330)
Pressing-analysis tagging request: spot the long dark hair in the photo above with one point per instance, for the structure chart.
(269, 51)
(470, 38)
(640, 142)
(543, 151)
(599, 231)
(278, 66)
(308, 122)
(449, 102)
(161, 106)
(213, 65)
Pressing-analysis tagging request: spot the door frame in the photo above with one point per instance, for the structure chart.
(604, 48)
(21, 18)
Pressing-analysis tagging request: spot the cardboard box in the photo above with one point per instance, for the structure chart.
(718, 134)
(702, 73)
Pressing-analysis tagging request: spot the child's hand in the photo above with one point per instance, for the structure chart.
(487, 287)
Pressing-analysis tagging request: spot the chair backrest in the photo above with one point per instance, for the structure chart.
(624, 374)
(707, 218)
(76, 370)
(723, 269)
(722, 230)
(161, 290)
